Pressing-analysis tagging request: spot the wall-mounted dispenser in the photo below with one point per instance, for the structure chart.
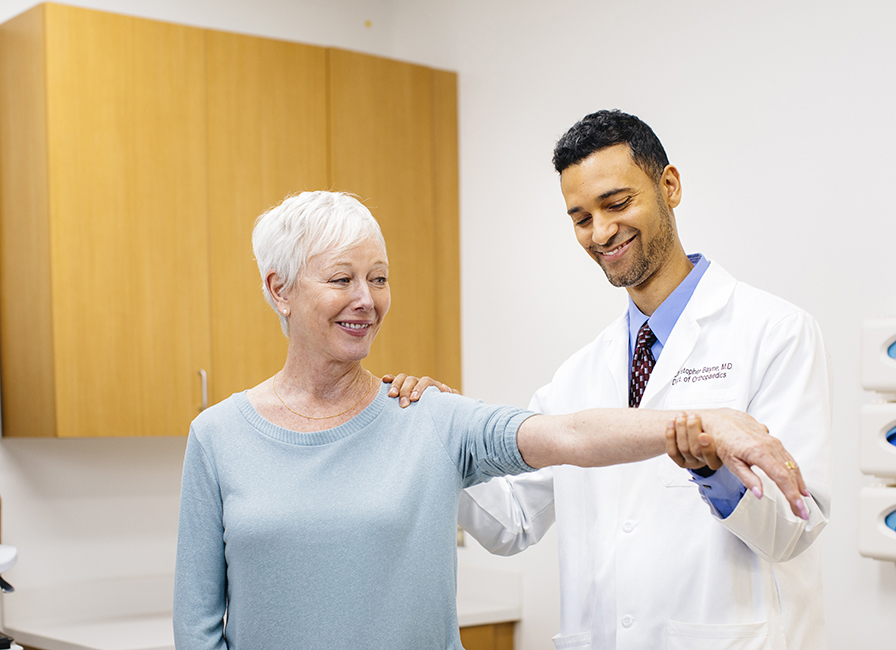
(879, 355)
(877, 448)
(877, 523)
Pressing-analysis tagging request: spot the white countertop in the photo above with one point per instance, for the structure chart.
(126, 633)
(132, 614)
(135, 614)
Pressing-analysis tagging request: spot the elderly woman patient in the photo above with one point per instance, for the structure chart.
(318, 513)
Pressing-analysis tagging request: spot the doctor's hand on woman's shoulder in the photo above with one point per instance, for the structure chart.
(408, 388)
(714, 437)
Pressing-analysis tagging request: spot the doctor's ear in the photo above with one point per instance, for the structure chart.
(670, 186)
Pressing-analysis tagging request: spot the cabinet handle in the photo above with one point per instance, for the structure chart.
(203, 380)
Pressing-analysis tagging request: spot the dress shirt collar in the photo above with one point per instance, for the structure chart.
(666, 315)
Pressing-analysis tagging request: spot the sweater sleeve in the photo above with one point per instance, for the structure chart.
(479, 438)
(507, 515)
(200, 581)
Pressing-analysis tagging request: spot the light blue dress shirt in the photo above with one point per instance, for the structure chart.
(723, 489)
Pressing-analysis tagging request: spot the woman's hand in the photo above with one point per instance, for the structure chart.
(408, 388)
(717, 436)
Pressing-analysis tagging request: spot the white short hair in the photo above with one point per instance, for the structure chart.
(305, 225)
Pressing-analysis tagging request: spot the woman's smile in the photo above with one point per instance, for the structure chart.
(355, 328)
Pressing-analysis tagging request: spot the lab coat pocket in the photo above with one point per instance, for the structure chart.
(672, 475)
(573, 641)
(691, 636)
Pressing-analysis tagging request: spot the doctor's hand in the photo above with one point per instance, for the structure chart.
(408, 388)
(688, 445)
(740, 443)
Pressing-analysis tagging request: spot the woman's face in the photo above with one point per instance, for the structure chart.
(340, 301)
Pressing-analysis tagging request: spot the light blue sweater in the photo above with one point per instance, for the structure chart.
(341, 539)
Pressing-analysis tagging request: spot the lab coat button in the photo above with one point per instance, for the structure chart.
(627, 621)
(628, 527)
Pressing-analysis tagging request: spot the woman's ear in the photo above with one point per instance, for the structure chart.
(277, 288)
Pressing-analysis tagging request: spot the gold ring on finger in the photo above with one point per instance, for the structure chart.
(790, 464)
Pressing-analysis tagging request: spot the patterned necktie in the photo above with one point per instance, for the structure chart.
(642, 365)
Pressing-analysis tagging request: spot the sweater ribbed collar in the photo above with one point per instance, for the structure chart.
(312, 438)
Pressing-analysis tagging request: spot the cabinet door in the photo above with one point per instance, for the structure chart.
(126, 233)
(126, 118)
(394, 143)
(267, 139)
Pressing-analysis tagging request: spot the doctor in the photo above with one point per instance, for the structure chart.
(652, 555)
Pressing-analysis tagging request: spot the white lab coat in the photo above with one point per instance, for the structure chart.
(644, 561)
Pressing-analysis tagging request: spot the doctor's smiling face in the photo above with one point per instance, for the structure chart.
(624, 219)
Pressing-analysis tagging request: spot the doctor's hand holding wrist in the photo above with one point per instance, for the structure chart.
(714, 437)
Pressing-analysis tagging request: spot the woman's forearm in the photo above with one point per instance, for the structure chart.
(593, 438)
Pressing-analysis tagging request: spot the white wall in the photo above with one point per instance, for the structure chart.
(779, 116)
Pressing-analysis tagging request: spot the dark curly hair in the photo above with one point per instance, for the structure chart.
(607, 128)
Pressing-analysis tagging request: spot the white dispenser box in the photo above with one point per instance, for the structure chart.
(876, 539)
(879, 355)
(877, 451)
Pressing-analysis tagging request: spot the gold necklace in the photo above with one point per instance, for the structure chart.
(324, 417)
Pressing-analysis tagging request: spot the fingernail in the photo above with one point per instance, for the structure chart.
(757, 492)
(804, 511)
(404, 401)
(393, 392)
(415, 394)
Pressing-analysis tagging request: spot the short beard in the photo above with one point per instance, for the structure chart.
(647, 262)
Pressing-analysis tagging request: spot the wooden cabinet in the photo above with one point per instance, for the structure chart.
(135, 156)
(498, 636)
(394, 144)
(105, 308)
